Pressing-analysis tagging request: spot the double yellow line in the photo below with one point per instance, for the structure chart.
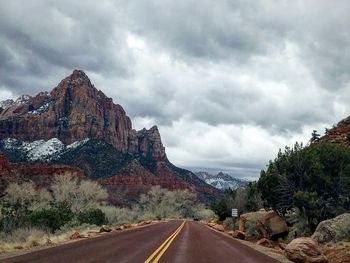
(156, 255)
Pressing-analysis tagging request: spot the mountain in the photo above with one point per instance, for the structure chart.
(77, 125)
(339, 134)
(221, 180)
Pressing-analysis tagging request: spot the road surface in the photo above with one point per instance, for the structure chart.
(174, 241)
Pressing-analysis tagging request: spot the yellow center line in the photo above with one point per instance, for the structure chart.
(164, 246)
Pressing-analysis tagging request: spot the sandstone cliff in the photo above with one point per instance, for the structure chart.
(92, 133)
(73, 111)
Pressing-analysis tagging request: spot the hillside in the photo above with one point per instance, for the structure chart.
(222, 180)
(77, 125)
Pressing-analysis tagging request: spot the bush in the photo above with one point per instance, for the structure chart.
(79, 194)
(116, 215)
(250, 227)
(205, 214)
(228, 223)
(52, 218)
(92, 216)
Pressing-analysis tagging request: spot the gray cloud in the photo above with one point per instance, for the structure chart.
(206, 72)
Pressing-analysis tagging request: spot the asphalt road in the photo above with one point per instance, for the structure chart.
(174, 241)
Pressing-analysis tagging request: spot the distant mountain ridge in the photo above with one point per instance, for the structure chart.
(222, 180)
(77, 125)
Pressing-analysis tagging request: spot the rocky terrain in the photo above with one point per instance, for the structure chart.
(339, 134)
(222, 180)
(77, 125)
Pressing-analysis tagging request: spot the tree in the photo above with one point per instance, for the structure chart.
(314, 179)
(315, 137)
(28, 195)
(79, 194)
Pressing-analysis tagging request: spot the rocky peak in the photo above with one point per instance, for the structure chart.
(76, 110)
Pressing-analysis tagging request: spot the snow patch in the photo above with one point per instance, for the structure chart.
(41, 150)
(22, 100)
(44, 150)
(6, 104)
(77, 144)
(41, 109)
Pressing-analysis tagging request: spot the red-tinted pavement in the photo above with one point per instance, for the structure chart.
(193, 242)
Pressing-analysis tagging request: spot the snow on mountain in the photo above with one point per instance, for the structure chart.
(6, 104)
(41, 109)
(41, 150)
(22, 99)
(221, 180)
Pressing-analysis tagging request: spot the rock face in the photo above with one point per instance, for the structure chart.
(41, 174)
(339, 134)
(304, 250)
(333, 230)
(80, 126)
(73, 111)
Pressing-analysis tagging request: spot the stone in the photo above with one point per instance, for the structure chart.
(333, 230)
(74, 235)
(238, 234)
(304, 249)
(105, 228)
(127, 226)
(143, 223)
(219, 227)
(265, 242)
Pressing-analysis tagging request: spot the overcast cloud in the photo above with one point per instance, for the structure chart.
(227, 82)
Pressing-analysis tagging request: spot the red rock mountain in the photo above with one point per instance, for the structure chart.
(74, 111)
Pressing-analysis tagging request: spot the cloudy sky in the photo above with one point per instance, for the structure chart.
(227, 82)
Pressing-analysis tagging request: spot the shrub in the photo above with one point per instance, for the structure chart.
(79, 194)
(250, 227)
(228, 223)
(52, 218)
(205, 214)
(92, 216)
(116, 215)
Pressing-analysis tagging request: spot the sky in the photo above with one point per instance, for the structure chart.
(227, 82)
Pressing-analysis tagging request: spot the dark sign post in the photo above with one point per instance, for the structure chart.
(234, 217)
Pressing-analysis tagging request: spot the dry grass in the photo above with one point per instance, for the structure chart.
(23, 238)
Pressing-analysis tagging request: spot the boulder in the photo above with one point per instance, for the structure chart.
(333, 230)
(74, 235)
(127, 226)
(265, 242)
(238, 234)
(268, 223)
(252, 216)
(304, 250)
(219, 227)
(143, 223)
(271, 225)
(105, 228)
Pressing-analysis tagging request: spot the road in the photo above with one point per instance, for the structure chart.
(174, 241)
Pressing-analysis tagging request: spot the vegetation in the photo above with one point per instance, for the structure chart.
(244, 199)
(315, 180)
(71, 203)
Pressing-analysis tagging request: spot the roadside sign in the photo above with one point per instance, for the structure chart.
(234, 212)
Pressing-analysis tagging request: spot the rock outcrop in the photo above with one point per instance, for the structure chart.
(333, 230)
(41, 174)
(304, 250)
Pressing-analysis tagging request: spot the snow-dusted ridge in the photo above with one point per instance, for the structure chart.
(41, 150)
(221, 180)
